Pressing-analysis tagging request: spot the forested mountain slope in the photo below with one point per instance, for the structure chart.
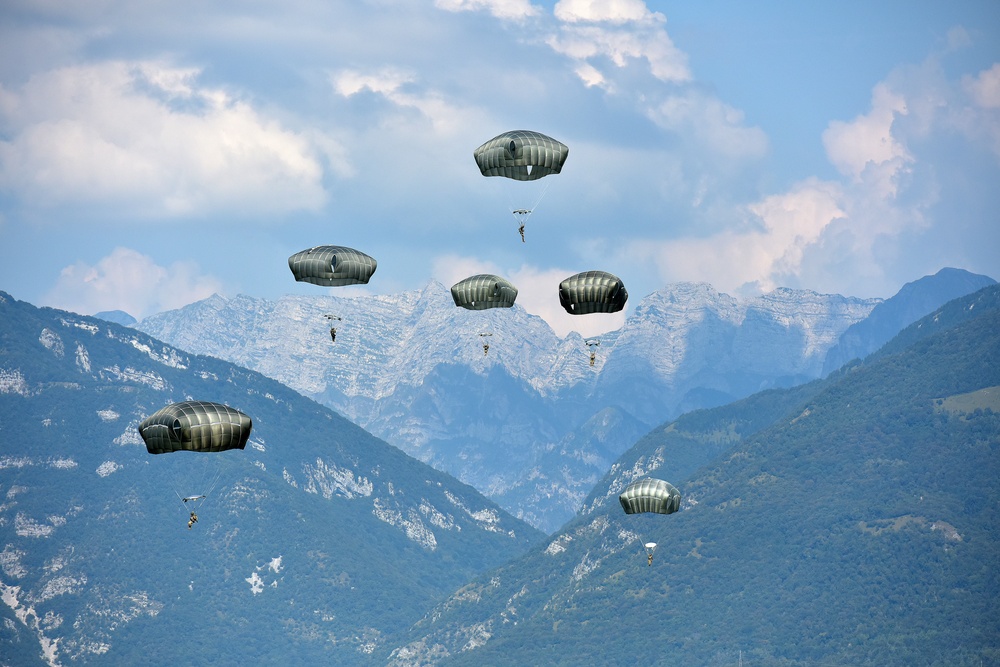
(851, 521)
(318, 541)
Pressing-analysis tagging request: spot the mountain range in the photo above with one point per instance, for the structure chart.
(531, 424)
(315, 543)
(847, 521)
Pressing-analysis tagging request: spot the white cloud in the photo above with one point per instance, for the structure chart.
(620, 31)
(756, 258)
(867, 142)
(502, 9)
(385, 81)
(403, 89)
(846, 236)
(715, 125)
(130, 281)
(984, 88)
(611, 11)
(590, 75)
(145, 139)
(980, 121)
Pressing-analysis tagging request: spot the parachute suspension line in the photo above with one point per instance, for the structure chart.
(539, 200)
(211, 488)
(522, 214)
(204, 489)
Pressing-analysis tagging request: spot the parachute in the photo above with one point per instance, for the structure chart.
(195, 426)
(592, 292)
(650, 495)
(653, 496)
(483, 291)
(521, 155)
(332, 266)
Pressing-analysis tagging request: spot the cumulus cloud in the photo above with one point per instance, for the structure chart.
(130, 281)
(604, 37)
(840, 235)
(759, 256)
(145, 138)
(713, 124)
(621, 31)
(867, 143)
(403, 89)
(386, 81)
(984, 88)
(502, 9)
(611, 11)
(980, 120)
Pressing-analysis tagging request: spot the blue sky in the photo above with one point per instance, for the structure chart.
(154, 153)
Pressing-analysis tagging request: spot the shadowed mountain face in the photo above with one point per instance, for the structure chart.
(519, 423)
(315, 543)
(852, 520)
(888, 318)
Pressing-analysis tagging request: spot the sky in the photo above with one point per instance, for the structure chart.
(155, 153)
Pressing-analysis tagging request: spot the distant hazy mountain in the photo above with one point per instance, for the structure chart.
(527, 423)
(116, 316)
(318, 542)
(848, 521)
(888, 318)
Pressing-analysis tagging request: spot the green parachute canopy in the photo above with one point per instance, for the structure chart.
(521, 155)
(195, 426)
(332, 266)
(592, 292)
(483, 291)
(650, 495)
